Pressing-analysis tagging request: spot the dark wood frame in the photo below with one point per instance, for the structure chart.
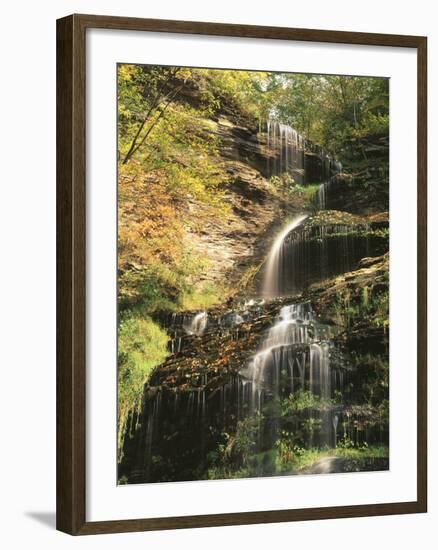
(71, 266)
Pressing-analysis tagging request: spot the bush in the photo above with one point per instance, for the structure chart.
(200, 297)
(142, 346)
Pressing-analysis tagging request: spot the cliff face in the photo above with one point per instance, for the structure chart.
(203, 390)
(240, 239)
(259, 206)
(364, 187)
(299, 360)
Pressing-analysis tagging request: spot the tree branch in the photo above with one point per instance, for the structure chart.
(135, 146)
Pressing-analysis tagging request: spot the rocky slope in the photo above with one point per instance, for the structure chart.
(195, 402)
(240, 240)
(236, 244)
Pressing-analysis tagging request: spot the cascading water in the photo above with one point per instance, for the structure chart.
(272, 284)
(197, 324)
(185, 413)
(320, 198)
(288, 155)
(307, 251)
(295, 356)
(314, 253)
(323, 191)
(293, 370)
(288, 148)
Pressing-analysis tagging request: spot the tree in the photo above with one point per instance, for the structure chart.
(145, 93)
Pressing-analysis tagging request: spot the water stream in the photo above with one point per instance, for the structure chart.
(272, 284)
(293, 154)
(297, 355)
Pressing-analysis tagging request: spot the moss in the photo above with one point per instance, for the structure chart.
(203, 296)
(359, 297)
(363, 304)
(142, 346)
(333, 217)
(309, 192)
(337, 217)
(296, 460)
(302, 400)
(304, 459)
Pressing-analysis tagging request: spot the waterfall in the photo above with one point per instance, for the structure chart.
(296, 342)
(321, 196)
(197, 324)
(295, 356)
(265, 366)
(323, 191)
(310, 252)
(288, 154)
(272, 283)
(291, 328)
(287, 147)
(295, 375)
(303, 253)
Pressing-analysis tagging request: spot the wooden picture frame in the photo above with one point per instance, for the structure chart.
(71, 274)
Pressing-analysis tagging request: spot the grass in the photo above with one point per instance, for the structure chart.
(302, 400)
(239, 456)
(201, 297)
(365, 304)
(306, 458)
(270, 463)
(142, 346)
(300, 195)
(309, 192)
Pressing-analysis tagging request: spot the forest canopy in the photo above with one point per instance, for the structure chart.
(325, 109)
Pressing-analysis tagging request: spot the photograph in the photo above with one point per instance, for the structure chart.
(216, 275)
(253, 274)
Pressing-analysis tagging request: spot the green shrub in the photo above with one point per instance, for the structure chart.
(142, 346)
(302, 400)
(199, 297)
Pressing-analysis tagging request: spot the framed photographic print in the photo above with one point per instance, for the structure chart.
(241, 288)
